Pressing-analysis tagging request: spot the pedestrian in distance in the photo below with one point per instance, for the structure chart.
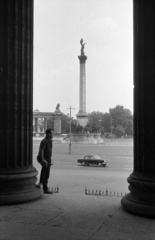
(45, 159)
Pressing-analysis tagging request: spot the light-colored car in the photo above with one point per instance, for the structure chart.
(93, 159)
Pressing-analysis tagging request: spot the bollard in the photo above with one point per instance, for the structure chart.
(101, 193)
(57, 188)
(106, 191)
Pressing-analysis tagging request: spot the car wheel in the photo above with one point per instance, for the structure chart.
(87, 164)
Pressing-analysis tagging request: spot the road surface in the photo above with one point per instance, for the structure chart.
(72, 177)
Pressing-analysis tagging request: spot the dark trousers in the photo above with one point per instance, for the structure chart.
(44, 175)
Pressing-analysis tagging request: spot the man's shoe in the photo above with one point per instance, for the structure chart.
(48, 191)
(39, 185)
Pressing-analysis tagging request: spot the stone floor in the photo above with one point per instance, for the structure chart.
(70, 216)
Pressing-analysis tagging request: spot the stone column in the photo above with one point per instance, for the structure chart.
(82, 116)
(36, 125)
(33, 125)
(17, 174)
(82, 85)
(57, 123)
(43, 127)
(141, 199)
(45, 124)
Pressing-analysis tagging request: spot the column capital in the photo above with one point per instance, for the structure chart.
(82, 58)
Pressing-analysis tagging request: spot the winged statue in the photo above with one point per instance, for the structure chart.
(82, 46)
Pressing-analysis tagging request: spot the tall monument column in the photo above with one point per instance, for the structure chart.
(17, 174)
(82, 116)
(141, 199)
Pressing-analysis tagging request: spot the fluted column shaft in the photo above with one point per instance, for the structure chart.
(17, 174)
(141, 199)
(82, 85)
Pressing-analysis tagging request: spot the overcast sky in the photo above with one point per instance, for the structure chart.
(107, 28)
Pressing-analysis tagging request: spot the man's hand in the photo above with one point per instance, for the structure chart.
(45, 162)
(52, 161)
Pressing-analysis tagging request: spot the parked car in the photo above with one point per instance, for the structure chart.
(93, 159)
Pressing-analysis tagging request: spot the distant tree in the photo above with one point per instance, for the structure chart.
(77, 129)
(106, 122)
(95, 116)
(102, 131)
(88, 128)
(122, 117)
(128, 122)
(95, 128)
(119, 131)
(117, 114)
(95, 121)
(64, 124)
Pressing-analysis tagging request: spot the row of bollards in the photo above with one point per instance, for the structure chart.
(54, 189)
(102, 193)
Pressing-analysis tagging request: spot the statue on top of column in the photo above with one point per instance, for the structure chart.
(82, 46)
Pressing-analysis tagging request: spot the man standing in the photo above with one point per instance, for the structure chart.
(45, 154)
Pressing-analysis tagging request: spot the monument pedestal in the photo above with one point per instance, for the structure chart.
(82, 119)
(57, 126)
(84, 138)
(57, 122)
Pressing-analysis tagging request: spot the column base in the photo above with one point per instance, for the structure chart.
(19, 188)
(131, 204)
(32, 195)
(141, 199)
